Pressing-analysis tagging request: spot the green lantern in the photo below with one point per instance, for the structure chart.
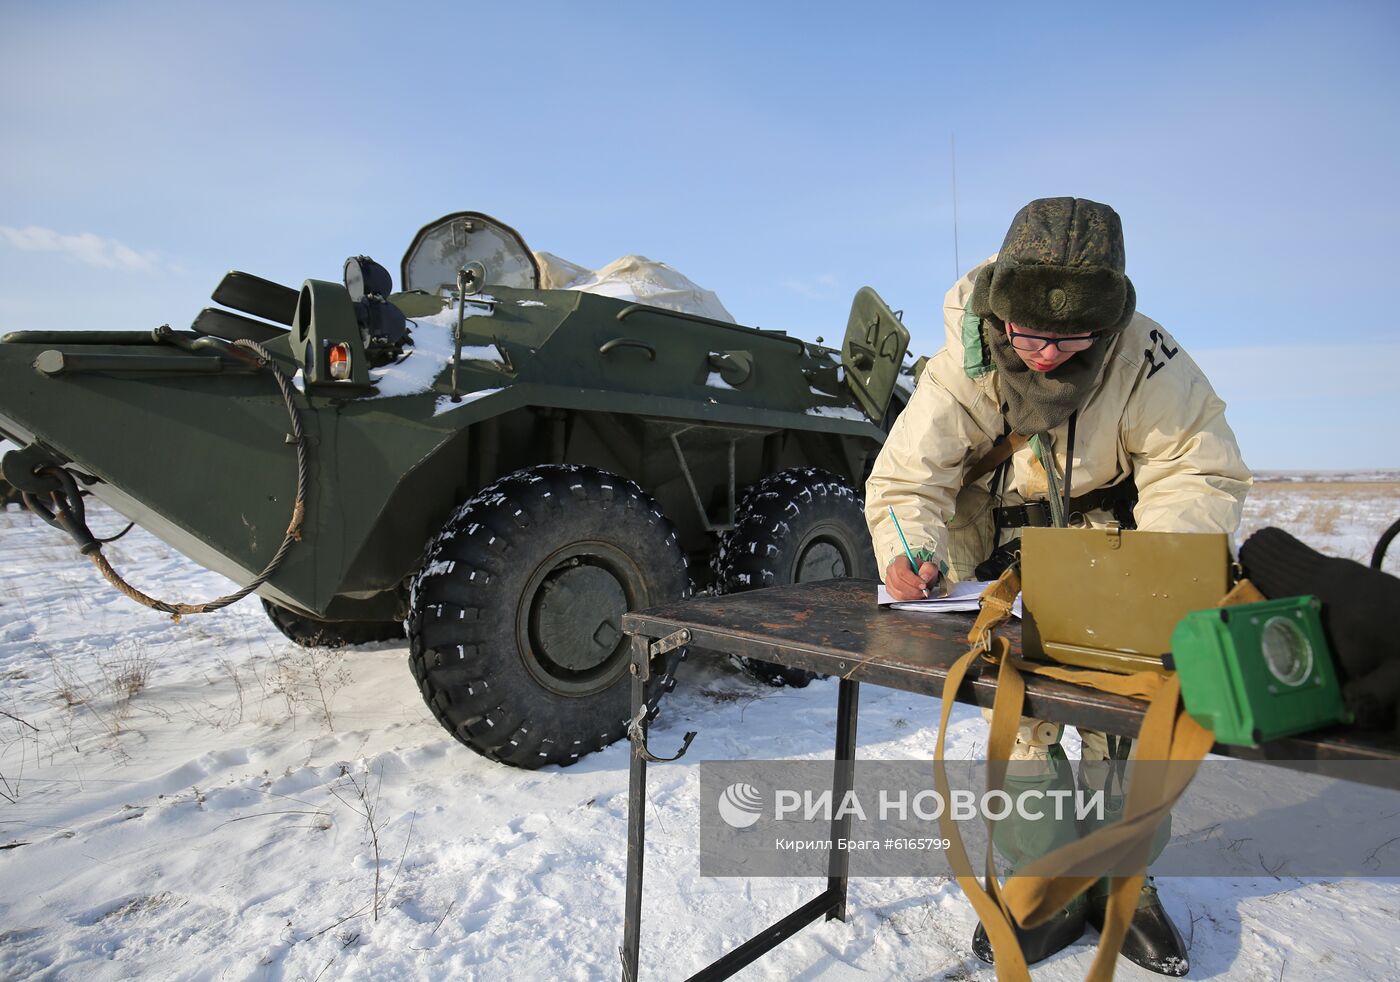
(1257, 672)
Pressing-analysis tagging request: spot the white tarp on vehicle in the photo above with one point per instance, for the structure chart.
(500, 257)
(633, 278)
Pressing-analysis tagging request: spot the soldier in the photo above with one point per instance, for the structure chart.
(1053, 403)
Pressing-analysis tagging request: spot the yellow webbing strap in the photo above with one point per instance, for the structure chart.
(993, 458)
(1044, 887)
(985, 895)
(986, 901)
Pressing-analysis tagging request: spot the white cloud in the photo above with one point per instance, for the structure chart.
(84, 247)
(818, 287)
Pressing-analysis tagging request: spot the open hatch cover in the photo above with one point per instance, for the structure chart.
(443, 247)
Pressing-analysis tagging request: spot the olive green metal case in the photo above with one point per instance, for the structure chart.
(1109, 599)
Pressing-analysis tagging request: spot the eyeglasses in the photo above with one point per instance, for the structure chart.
(1036, 342)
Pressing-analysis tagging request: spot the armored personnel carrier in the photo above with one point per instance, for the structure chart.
(497, 470)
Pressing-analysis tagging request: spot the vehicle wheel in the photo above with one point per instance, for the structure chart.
(309, 632)
(795, 526)
(515, 633)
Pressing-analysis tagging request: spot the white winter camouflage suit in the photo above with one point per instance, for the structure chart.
(1152, 416)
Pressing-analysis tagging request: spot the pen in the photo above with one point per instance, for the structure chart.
(907, 551)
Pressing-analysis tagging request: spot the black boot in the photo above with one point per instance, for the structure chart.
(1038, 943)
(1152, 940)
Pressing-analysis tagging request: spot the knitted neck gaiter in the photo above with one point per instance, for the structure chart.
(1037, 402)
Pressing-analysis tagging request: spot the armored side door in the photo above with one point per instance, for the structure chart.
(872, 351)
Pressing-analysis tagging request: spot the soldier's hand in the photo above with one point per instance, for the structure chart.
(904, 584)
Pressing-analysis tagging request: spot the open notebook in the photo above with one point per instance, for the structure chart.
(962, 596)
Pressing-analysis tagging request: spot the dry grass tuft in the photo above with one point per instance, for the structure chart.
(107, 691)
(1325, 518)
(1330, 489)
(310, 677)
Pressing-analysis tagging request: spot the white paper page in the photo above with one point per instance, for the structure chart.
(962, 597)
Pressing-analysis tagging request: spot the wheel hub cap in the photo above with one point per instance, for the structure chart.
(820, 560)
(577, 617)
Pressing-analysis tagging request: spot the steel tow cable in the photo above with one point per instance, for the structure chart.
(70, 516)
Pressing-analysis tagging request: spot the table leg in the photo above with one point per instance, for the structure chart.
(843, 779)
(636, 813)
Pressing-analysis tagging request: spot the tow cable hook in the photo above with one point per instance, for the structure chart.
(64, 508)
(67, 512)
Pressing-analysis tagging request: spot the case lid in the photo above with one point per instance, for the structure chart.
(1109, 599)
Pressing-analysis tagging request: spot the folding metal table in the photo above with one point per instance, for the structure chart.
(835, 628)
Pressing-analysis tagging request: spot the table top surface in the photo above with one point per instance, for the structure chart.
(835, 627)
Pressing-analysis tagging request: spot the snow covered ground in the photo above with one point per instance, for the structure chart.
(206, 800)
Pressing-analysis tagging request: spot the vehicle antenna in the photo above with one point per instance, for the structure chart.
(953, 154)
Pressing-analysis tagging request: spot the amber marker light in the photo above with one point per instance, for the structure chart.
(340, 361)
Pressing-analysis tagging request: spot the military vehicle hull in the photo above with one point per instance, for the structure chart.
(180, 434)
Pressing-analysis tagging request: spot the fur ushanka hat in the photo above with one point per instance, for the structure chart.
(1060, 270)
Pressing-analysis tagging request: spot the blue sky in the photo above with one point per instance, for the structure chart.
(780, 154)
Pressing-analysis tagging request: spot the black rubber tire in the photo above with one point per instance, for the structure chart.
(309, 632)
(499, 655)
(795, 526)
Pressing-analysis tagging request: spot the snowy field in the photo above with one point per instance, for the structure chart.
(206, 800)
